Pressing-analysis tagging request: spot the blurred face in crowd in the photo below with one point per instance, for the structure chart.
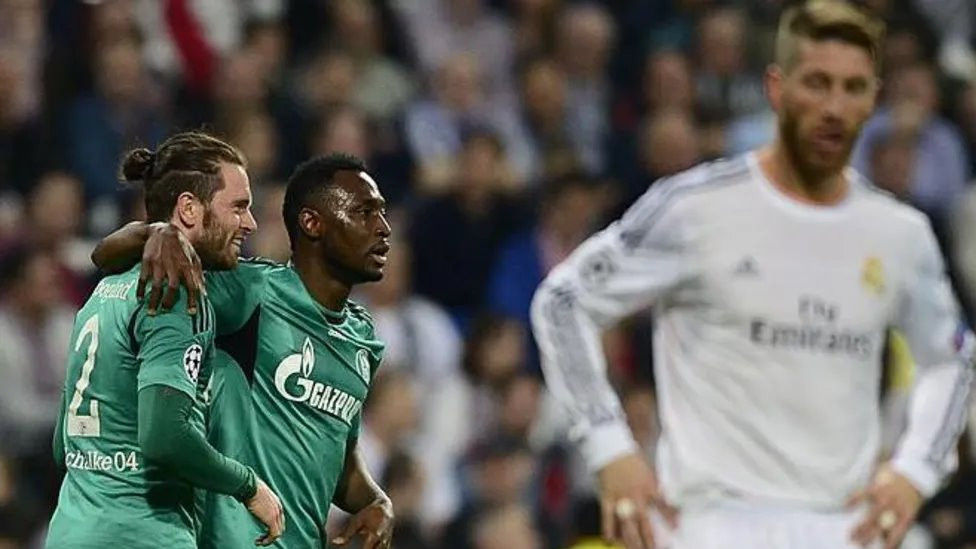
(392, 408)
(459, 83)
(519, 406)
(822, 102)
(585, 35)
(37, 289)
(496, 352)
(544, 93)
(669, 144)
(241, 81)
(914, 85)
(668, 82)
(330, 80)
(255, 136)
(344, 131)
(721, 42)
(360, 31)
(120, 72)
(901, 49)
(272, 240)
(56, 208)
(509, 527)
(892, 165)
(481, 166)
(268, 45)
(572, 213)
(505, 478)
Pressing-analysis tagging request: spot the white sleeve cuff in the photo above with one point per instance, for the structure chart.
(926, 479)
(605, 443)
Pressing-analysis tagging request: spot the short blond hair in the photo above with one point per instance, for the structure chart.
(819, 20)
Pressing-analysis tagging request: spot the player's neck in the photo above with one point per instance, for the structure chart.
(779, 168)
(324, 288)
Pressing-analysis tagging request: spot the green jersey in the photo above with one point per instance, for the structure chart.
(308, 371)
(110, 496)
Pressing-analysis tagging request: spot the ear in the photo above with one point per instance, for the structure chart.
(310, 223)
(189, 210)
(773, 82)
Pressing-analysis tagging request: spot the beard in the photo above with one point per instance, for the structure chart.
(215, 249)
(811, 165)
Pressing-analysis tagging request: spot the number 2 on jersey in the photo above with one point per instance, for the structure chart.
(79, 425)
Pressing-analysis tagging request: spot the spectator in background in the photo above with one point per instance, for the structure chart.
(668, 83)
(253, 132)
(245, 88)
(389, 417)
(435, 127)
(500, 472)
(272, 240)
(911, 111)
(892, 164)
(20, 514)
(121, 110)
(585, 34)
(456, 237)
(35, 329)
(547, 147)
(667, 143)
(423, 343)
(506, 527)
(440, 29)
(348, 130)
(382, 86)
(534, 23)
(403, 481)
(21, 146)
(184, 40)
(55, 223)
(727, 88)
(569, 209)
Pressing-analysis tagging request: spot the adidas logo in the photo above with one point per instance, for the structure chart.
(746, 267)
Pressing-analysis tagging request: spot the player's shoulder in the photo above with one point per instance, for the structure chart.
(116, 291)
(261, 264)
(359, 312)
(679, 194)
(703, 179)
(884, 207)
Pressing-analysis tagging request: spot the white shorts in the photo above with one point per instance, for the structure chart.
(738, 526)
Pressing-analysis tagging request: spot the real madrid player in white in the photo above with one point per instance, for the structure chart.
(774, 277)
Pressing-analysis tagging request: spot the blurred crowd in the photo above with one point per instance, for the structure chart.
(503, 133)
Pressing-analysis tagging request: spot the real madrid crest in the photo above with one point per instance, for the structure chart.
(872, 276)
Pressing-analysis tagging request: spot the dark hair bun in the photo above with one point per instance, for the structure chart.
(138, 165)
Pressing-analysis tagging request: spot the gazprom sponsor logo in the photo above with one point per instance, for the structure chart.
(297, 368)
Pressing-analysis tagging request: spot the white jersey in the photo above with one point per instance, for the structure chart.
(770, 322)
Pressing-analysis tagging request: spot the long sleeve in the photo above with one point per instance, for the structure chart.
(943, 350)
(618, 271)
(168, 440)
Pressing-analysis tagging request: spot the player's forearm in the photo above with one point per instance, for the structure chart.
(356, 489)
(936, 416)
(168, 440)
(122, 249)
(575, 370)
